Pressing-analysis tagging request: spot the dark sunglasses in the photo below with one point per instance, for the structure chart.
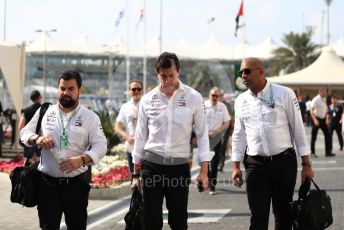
(136, 89)
(245, 71)
(214, 95)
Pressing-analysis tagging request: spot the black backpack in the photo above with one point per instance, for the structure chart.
(313, 210)
(24, 179)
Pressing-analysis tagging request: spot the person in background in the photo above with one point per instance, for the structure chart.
(320, 118)
(72, 138)
(217, 122)
(308, 110)
(28, 113)
(268, 123)
(126, 120)
(336, 120)
(167, 115)
(1, 130)
(227, 133)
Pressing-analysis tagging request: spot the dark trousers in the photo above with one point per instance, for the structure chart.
(171, 182)
(212, 173)
(57, 197)
(323, 127)
(338, 129)
(130, 163)
(270, 181)
(222, 156)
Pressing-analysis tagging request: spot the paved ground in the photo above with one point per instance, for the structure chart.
(226, 210)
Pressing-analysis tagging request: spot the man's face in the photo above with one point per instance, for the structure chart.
(68, 93)
(322, 92)
(214, 96)
(135, 91)
(251, 75)
(169, 79)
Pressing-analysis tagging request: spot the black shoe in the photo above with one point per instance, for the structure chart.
(330, 155)
(341, 148)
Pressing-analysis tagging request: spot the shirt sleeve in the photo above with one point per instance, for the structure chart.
(225, 114)
(141, 134)
(298, 132)
(97, 141)
(239, 141)
(201, 131)
(121, 116)
(29, 129)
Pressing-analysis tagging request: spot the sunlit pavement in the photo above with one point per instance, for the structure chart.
(227, 209)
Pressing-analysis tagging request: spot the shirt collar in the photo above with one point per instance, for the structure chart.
(264, 91)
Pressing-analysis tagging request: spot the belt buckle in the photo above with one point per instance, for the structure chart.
(63, 181)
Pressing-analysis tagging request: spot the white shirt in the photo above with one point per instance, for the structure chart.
(216, 115)
(128, 117)
(164, 125)
(85, 136)
(319, 106)
(264, 130)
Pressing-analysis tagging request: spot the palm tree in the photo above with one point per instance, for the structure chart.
(298, 53)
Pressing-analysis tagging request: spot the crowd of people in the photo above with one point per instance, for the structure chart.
(160, 127)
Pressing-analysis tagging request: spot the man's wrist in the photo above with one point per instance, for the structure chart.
(306, 164)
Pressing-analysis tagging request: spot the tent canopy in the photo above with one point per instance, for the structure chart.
(328, 69)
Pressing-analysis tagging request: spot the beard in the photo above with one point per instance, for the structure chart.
(68, 102)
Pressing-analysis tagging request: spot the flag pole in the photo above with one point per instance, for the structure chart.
(127, 53)
(144, 48)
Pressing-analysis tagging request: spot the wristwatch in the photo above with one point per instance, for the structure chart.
(306, 163)
(35, 138)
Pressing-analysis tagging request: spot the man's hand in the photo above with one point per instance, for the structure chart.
(237, 174)
(306, 173)
(130, 140)
(71, 164)
(45, 142)
(136, 183)
(203, 175)
(316, 122)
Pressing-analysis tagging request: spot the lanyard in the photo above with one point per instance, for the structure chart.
(64, 137)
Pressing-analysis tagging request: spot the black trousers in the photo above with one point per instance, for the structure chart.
(212, 173)
(57, 197)
(338, 129)
(222, 156)
(323, 127)
(270, 181)
(171, 182)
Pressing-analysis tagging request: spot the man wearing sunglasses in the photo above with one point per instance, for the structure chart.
(268, 124)
(127, 119)
(217, 122)
(167, 115)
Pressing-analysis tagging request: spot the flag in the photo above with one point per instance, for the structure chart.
(140, 19)
(119, 17)
(240, 13)
(211, 20)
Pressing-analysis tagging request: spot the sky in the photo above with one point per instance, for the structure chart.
(181, 19)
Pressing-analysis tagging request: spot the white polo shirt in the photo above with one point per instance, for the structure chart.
(216, 114)
(319, 106)
(128, 117)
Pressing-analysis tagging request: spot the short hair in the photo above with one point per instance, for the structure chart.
(167, 60)
(71, 74)
(215, 88)
(35, 94)
(137, 81)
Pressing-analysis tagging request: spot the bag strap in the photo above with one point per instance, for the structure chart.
(304, 189)
(44, 107)
(316, 186)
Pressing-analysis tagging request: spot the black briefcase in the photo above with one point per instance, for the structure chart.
(313, 210)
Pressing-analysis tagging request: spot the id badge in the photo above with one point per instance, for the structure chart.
(64, 141)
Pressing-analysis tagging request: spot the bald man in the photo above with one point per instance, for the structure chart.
(267, 123)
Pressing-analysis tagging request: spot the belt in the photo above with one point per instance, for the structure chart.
(64, 180)
(158, 159)
(286, 152)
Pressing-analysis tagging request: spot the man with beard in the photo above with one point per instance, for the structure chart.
(72, 138)
(167, 115)
(268, 123)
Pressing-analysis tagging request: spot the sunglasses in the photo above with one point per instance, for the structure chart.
(246, 71)
(136, 89)
(214, 95)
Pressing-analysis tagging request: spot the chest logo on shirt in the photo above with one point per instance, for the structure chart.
(182, 101)
(78, 121)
